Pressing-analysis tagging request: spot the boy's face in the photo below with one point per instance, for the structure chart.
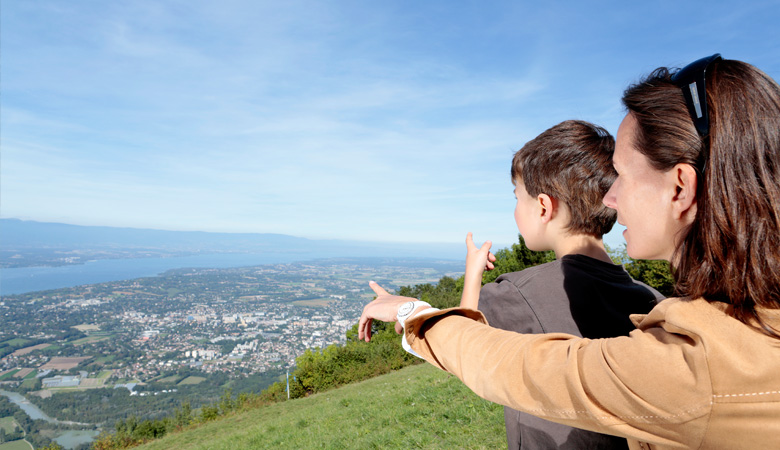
(526, 215)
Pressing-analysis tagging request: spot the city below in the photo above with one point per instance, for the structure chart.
(187, 334)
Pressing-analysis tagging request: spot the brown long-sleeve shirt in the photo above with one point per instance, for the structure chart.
(690, 376)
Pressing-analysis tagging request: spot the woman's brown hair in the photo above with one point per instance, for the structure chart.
(731, 252)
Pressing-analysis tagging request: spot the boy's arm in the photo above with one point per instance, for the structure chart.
(477, 260)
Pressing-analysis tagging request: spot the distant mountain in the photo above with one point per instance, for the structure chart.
(26, 243)
(24, 233)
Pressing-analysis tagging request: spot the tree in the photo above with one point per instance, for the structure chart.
(209, 413)
(655, 273)
(52, 446)
(183, 415)
(226, 402)
(515, 259)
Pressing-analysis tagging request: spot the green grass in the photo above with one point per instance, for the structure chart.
(171, 379)
(9, 375)
(192, 380)
(102, 333)
(16, 342)
(20, 444)
(417, 407)
(31, 375)
(104, 359)
(90, 339)
(8, 424)
(28, 383)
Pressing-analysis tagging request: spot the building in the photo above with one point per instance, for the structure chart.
(61, 381)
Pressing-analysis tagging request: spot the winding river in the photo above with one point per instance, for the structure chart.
(69, 438)
(33, 411)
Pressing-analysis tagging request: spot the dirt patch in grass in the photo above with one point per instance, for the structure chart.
(316, 303)
(23, 373)
(89, 339)
(64, 363)
(26, 350)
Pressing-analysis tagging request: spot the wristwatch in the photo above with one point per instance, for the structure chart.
(407, 309)
(404, 312)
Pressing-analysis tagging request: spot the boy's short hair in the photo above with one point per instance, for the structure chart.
(571, 162)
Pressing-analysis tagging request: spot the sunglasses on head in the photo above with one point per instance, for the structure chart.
(692, 80)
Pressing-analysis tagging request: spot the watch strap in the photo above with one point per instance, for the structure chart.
(408, 309)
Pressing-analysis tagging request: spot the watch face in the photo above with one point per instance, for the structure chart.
(405, 309)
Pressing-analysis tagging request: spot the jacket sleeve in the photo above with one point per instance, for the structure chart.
(636, 386)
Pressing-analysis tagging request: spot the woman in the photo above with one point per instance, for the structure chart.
(698, 185)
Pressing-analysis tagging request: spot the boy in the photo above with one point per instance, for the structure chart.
(560, 178)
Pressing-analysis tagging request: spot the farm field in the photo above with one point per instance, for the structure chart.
(315, 303)
(170, 379)
(64, 363)
(192, 380)
(24, 373)
(8, 374)
(8, 424)
(20, 444)
(90, 339)
(26, 350)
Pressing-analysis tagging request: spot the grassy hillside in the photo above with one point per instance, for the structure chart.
(416, 407)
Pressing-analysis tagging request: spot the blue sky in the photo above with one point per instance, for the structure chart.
(388, 121)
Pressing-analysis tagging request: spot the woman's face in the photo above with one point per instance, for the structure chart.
(642, 196)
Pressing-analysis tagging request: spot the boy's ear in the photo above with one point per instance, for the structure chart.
(547, 207)
(684, 200)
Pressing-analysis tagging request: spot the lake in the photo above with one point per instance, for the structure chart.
(30, 279)
(74, 438)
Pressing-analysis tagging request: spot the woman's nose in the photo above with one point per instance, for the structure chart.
(610, 199)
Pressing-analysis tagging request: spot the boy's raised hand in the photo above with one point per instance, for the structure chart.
(478, 259)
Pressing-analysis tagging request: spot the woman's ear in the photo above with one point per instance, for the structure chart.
(684, 199)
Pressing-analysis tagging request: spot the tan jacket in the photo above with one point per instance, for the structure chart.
(690, 376)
